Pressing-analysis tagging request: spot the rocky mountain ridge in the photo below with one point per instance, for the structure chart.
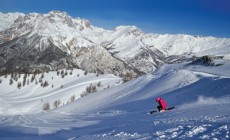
(40, 42)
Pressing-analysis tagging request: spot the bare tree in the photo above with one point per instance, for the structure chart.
(46, 106)
(98, 84)
(128, 76)
(72, 98)
(91, 89)
(57, 103)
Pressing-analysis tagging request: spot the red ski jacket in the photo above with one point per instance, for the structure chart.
(162, 103)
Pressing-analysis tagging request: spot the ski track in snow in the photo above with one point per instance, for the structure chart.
(61, 90)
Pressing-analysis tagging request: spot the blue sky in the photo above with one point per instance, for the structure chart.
(196, 17)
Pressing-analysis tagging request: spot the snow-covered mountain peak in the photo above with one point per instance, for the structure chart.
(56, 25)
(8, 19)
(129, 30)
(83, 24)
(182, 44)
(62, 17)
(130, 45)
(58, 13)
(126, 27)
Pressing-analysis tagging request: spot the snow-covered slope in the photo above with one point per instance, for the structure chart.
(187, 44)
(30, 98)
(199, 92)
(8, 19)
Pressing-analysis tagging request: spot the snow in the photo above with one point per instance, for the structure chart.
(30, 98)
(187, 44)
(126, 43)
(200, 94)
(8, 19)
(118, 110)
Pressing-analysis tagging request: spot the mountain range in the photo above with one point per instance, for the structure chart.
(191, 73)
(41, 42)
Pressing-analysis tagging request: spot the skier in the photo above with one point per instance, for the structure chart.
(162, 104)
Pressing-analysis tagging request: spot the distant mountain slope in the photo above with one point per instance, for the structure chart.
(56, 40)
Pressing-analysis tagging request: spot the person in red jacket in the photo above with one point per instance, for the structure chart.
(162, 104)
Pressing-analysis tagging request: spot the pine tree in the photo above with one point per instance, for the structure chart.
(57, 103)
(32, 78)
(66, 73)
(58, 73)
(19, 85)
(45, 84)
(42, 76)
(11, 81)
(62, 72)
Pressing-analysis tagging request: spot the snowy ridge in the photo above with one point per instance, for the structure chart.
(143, 53)
(187, 44)
(8, 19)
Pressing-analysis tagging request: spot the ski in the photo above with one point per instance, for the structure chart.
(153, 111)
(167, 109)
(170, 108)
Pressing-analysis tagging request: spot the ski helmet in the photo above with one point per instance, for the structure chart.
(158, 99)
